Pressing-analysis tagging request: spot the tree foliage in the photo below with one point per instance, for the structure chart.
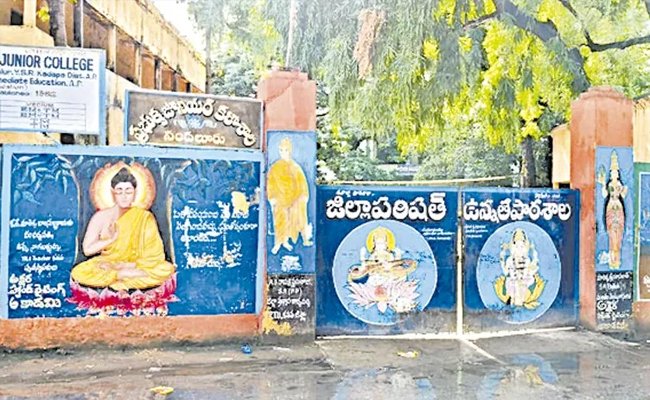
(445, 77)
(508, 67)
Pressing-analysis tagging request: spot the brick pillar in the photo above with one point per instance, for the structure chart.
(29, 13)
(289, 125)
(601, 124)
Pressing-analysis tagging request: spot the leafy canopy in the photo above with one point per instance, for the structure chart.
(505, 68)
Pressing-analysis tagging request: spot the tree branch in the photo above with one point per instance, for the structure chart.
(593, 46)
(623, 44)
(573, 12)
(547, 32)
(476, 22)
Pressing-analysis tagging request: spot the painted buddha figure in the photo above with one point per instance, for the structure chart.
(123, 238)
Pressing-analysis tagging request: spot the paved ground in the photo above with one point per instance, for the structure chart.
(558, 365)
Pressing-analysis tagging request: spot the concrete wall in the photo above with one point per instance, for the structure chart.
(642, 130)
(561, 155)
(140, 20)
(116, 87)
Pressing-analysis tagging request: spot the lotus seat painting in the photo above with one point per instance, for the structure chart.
(93, 232)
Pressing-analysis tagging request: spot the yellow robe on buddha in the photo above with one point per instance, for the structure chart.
(138, 241)
(286, 185)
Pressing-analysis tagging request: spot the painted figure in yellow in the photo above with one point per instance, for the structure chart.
(614, 192)
(126, 240)
(381, 278)
(520, 285)
(381, 259)
(288, 194)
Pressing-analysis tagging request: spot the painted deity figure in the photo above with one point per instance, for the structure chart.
(125, 242)
(381, 258)
(288, 194)
(520, 284)
(381, 276)
(614, 192)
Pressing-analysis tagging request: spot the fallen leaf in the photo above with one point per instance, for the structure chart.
(162, 390)
(408, 354)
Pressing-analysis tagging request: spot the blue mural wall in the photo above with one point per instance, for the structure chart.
(520, 261)
(386, 260)
(93, 231)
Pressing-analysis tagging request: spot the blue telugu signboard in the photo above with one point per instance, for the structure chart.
(91, 231)
(386, 260)
(520, 259)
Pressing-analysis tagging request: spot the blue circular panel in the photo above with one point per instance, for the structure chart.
(384, 271)
(518, 272)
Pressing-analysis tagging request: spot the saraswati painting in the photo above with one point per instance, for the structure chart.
(384, 271)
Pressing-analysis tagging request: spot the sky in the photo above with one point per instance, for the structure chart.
(176, 13)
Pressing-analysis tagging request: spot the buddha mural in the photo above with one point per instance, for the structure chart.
(123, 241)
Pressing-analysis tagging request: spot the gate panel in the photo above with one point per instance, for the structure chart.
(386, 260)
(520, 258)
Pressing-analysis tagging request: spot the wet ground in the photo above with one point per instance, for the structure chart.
(552, 365)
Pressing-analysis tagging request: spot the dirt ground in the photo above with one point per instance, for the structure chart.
(553, 365)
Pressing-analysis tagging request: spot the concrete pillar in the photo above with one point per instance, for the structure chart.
(137, 64)
(157, 73)
(288, 89)
(290, 115)
(561, 155)
(601, 117)
(111, 48)
(29, 13)
(175, 78)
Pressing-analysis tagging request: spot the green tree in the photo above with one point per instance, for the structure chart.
(234, 75)
(426, 69)
(340, 153)
(217, 19)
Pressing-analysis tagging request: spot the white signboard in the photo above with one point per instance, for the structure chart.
(53, 89)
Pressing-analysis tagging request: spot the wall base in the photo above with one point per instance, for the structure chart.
(44, 333)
